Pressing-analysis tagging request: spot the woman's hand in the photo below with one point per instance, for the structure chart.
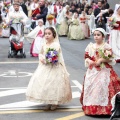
(42, 61)
(91, 63)
(99, 61)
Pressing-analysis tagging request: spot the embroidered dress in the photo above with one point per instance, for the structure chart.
(85, 27)
(62, 22)
(36, 38)
(37, 44)
(100, 84)
(75, 31)
(115, 40)
(50, 83)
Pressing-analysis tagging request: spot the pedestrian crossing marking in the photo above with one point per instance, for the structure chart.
(17, 105)
(27, 105)
(20, 62)
(11, 92)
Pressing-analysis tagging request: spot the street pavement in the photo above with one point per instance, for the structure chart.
(15, 74)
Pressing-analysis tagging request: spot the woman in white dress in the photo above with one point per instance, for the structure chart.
(115, 35)
(62, 21)
(50, 82)
(37, 39)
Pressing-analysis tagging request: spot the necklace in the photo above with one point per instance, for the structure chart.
(99, 46)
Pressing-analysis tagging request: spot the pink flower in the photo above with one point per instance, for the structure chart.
(107, 53)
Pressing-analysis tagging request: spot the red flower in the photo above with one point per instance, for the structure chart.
(54, 58)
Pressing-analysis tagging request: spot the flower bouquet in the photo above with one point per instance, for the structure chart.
(6, 6)
(106, 54)
(4, 25)
(51, 56)
(111, 21)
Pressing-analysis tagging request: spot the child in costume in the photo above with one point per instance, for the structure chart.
(101, 82)
(50, 83)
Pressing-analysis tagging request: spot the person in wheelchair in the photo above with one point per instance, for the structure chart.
(17, 20)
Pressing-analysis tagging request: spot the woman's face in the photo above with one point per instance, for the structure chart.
(50, 22)
(90, 10)
(78, 9)
(83, 13)
(40, 23)
(98, 37)
(76, 15)
(67, 8)
(48, 35)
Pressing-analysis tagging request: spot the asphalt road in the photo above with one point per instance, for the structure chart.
(15, 74)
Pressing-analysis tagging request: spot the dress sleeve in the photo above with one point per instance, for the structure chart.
(41, 54)
(87, 56)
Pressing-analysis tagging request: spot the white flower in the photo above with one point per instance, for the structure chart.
(53, 54)
(50, 60)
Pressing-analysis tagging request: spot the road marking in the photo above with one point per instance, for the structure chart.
(75, 94)
(36, 111)
(17, 105)
(27, 104)
(11, 92)
(77, 84)
(38, 106)
(70, 117)
(19, 62)
(20, 111)
(14, 73)
(13, 88)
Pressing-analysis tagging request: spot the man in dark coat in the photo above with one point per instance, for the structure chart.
(43, 12)
(101, 20)
(24, 7)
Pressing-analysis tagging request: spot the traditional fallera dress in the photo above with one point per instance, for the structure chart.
(75, 30)
(91, 22)
(85, 27)
(50, 83)
(36, 38)
(115, 39)
(62, 26)
(100, 84)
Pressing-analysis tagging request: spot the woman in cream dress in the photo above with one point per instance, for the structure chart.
(62, 21)
(84, 24)
(75, 30)
(115, 35)
(50, 83)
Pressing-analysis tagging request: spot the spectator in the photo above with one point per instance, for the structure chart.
(73, 10)
(100, 20)
(106, 5)
(24, 7)
(43, 13)
(78, 11)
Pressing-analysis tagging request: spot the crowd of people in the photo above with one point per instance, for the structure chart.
(74, 19)
(45, 21)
